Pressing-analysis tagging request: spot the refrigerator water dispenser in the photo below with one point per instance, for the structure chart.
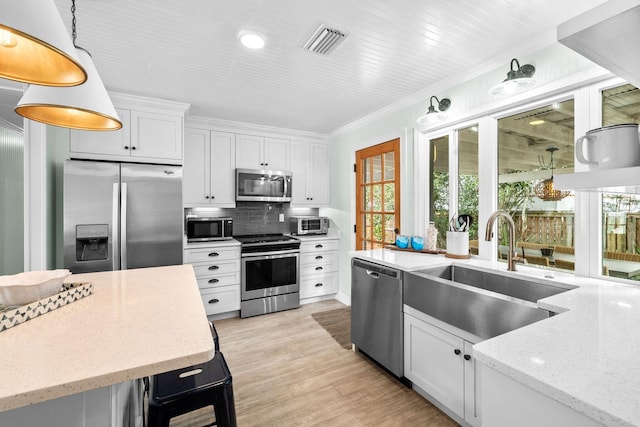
(92, 241)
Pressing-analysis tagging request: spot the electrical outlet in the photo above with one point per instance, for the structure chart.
(281, 217)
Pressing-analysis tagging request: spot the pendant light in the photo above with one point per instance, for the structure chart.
(544, 190)
(518, 79)
(86, 107)
(34, 45)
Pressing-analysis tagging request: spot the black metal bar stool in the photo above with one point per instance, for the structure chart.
(184, 390)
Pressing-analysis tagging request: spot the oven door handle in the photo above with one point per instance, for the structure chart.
(271, 254)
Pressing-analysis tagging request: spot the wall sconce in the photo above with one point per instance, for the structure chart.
(35, 47)
(85, 107)
(432, 115)
(517, 80)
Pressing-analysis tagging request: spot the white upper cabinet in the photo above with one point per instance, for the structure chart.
(310, 174)
(209, 168)
(152, 132)
(258, 152)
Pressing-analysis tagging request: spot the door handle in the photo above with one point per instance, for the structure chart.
(123, 226)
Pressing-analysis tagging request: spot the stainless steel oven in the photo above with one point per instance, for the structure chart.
(269, 274)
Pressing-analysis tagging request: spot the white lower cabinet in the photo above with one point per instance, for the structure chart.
(318, 267)
(442, 365)
(217, 269)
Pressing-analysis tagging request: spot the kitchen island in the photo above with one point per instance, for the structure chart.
(579, 367)
(136, 323)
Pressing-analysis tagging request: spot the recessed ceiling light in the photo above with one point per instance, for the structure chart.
(536, 122)
(252, 39)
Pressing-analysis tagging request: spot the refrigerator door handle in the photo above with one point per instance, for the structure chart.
(114, 226)
(123, 227)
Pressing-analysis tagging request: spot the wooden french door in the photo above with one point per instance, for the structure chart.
(377, 195)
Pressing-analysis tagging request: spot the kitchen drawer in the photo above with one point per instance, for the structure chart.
(216, 281)
(213, 268)
(212, 254)
(319, 258)
(221, 300)
(319, 246)
(318, 285)
(318, 268)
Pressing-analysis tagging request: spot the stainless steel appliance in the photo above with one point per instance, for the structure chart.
(269, 273)
(201, 229)
(121, 215)
(302, 225)
(263, 186)
(376, 313)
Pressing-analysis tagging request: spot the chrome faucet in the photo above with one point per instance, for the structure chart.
(512, 256)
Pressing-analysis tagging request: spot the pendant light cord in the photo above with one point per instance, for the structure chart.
(74, 34)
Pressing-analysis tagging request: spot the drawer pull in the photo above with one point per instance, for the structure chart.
(318, 285)
(319, 257)
(319, 246)
(213, 280)
(318, 268)
(214, 267)
(214, 254)
(213, 301)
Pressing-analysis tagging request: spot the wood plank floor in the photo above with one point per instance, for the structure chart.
(288, 371)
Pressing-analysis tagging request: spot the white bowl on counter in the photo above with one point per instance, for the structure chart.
(30, 286)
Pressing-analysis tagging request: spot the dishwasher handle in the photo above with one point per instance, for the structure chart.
(375, 270)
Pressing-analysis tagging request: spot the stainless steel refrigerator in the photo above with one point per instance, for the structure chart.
(121, 215)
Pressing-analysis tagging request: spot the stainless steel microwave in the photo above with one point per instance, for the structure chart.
(302, 225)
(200, 229)
(263, 186)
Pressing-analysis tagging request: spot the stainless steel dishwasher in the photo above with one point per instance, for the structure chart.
(376, 313)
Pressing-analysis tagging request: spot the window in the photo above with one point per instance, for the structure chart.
(439, 187)
(468, 180)
(533, 146)
(621, 212)
(377, 195)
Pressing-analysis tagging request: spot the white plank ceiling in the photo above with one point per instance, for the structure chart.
(188, 51)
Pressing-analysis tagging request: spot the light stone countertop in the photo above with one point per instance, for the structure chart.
(587, 357)
(136, 323)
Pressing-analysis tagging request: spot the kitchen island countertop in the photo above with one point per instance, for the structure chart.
(136, 323)
(586, 357)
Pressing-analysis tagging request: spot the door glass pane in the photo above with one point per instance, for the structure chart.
(389, 226)
(366, 171)
(377, 168)
(368, 227)
(389, 197)
(377, 227)
(468, 179)
(367, 198)
(527, 143)
(389, 166)
(621, 212)
(439, 187)
(377, 198)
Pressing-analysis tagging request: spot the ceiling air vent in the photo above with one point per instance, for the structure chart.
(324, 40)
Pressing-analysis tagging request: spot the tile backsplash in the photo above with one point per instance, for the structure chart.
(256, 217)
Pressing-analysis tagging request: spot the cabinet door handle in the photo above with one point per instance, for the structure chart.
(214, 267)
(467, 357)
(206, 197)
(214, 254)
(457, 351)
(261, 164)
(213, 197)
(133, 147)
(319, 257)
(213, 280)
(318, 246)
(318, 285)
(318, 268)
(213, 301)
(126, 147)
